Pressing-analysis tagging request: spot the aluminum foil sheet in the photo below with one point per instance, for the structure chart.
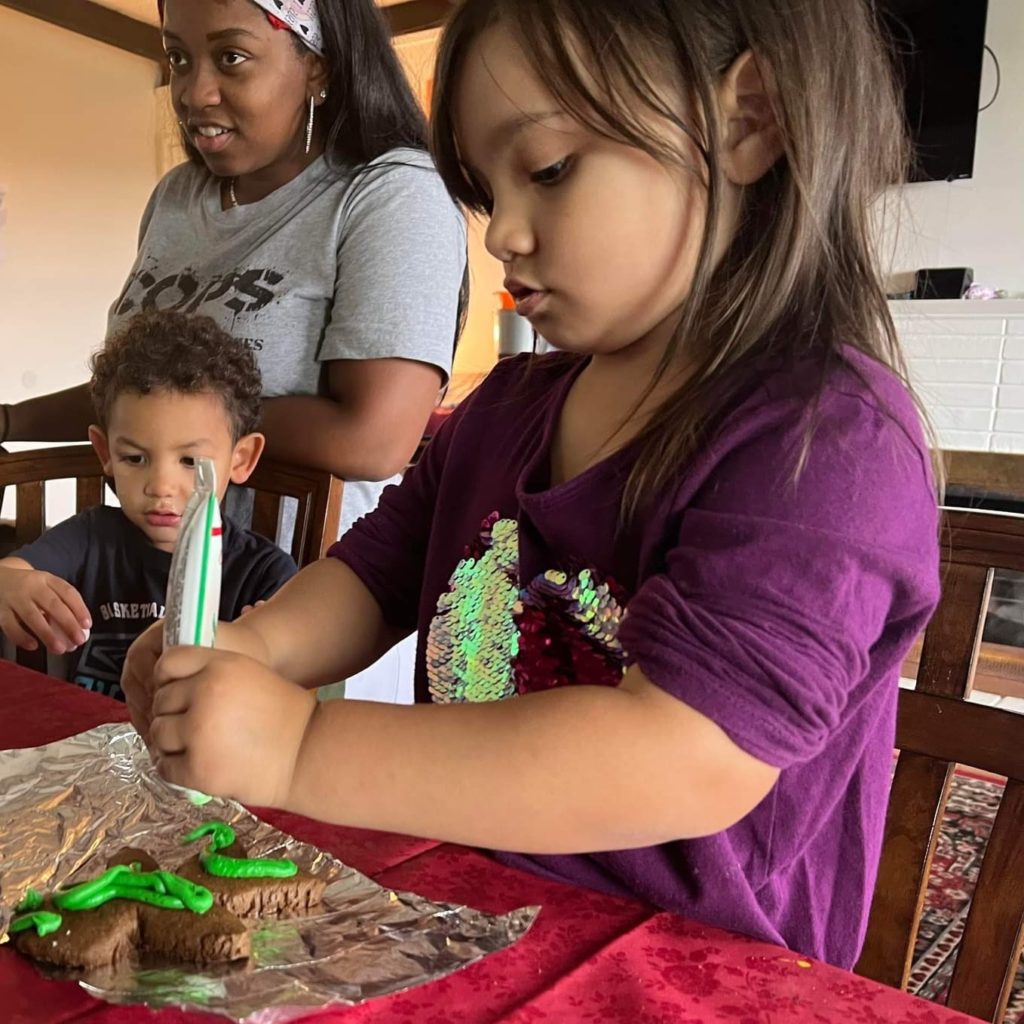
(68, 806)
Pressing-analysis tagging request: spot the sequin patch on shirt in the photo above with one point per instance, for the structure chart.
(491, 640)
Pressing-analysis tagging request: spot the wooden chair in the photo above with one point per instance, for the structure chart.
(317, 493)
(938, 729)
(995, 476)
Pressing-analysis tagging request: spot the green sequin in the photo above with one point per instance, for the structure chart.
(473, 640)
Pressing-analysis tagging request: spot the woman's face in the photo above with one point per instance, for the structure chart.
(239, 86)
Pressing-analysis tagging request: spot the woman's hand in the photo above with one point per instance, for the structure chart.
(224, 724)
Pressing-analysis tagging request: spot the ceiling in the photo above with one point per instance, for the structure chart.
(145, 10)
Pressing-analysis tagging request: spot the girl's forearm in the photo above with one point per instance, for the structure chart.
(326, 602)
(576, 769)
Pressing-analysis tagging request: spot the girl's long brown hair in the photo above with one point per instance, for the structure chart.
(801, 277)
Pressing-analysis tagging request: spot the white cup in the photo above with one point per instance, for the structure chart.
(513, 334)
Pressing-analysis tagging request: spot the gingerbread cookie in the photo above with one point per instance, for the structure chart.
(260, 888)
(190, 916)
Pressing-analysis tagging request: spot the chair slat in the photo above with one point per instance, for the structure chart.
(332, 515)
(991, 739)
(920, 789)
(986, 964)
(30, 514)
(950, 652)
(301, 534)
(88, 492)
(266, 514)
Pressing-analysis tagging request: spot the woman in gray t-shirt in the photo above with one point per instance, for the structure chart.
(310, 223)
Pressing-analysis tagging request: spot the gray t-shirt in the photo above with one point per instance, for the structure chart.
(336, 264)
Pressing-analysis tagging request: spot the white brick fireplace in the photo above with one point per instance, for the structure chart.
(967, 363)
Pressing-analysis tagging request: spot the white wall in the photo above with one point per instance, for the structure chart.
(979, 222)
(77, 161)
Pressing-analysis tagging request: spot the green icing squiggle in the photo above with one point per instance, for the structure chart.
(121, 882)
(43, 921)
(223, 866)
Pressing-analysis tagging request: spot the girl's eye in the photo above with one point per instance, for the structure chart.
(176, 59)
(552, 174)
(188, 460)
(232, 58)
(132, 460)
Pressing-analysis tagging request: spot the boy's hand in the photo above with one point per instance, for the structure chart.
(37, 607)
(227, 725)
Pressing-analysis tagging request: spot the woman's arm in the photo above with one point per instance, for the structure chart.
(368, 426)
(59, 416)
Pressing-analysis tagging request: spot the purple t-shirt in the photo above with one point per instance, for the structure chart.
(781, 610)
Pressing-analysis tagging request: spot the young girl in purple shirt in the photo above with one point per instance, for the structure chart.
(663, 580)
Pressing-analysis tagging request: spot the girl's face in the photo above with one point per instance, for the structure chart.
(599, 240)
(240, 86)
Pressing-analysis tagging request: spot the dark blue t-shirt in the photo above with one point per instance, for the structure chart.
(123, 581)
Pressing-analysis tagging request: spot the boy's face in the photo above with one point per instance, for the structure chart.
(150, 448)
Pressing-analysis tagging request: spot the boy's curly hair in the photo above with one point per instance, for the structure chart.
(167, 351)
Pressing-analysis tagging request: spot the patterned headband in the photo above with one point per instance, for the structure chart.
(299, 16)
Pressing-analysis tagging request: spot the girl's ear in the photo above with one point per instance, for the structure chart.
(101, 445)
(247, 453)
(752, 140)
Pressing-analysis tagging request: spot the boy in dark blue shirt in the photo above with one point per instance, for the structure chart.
(168, 389)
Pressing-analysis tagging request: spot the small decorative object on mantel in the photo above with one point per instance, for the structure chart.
(981, 293)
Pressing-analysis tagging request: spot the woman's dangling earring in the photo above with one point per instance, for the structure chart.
(309, 125)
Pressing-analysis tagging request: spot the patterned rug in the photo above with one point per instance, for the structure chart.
(972, 808)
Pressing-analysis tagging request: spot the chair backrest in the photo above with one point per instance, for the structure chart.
(318, 512)
(317, 495)
(938, 729)
(998, 474)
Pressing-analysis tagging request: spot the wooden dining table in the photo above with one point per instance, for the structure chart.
(589, 957)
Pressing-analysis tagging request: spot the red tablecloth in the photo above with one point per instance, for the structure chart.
(588, 958)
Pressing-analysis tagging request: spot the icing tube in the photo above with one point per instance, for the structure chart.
(193, 590)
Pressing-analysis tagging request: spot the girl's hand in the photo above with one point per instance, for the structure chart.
(137, 676)
(224, 724)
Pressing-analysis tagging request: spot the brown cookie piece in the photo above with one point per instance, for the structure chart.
(108, 934)
(86, 939)
(257, 897)
(217, 936)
